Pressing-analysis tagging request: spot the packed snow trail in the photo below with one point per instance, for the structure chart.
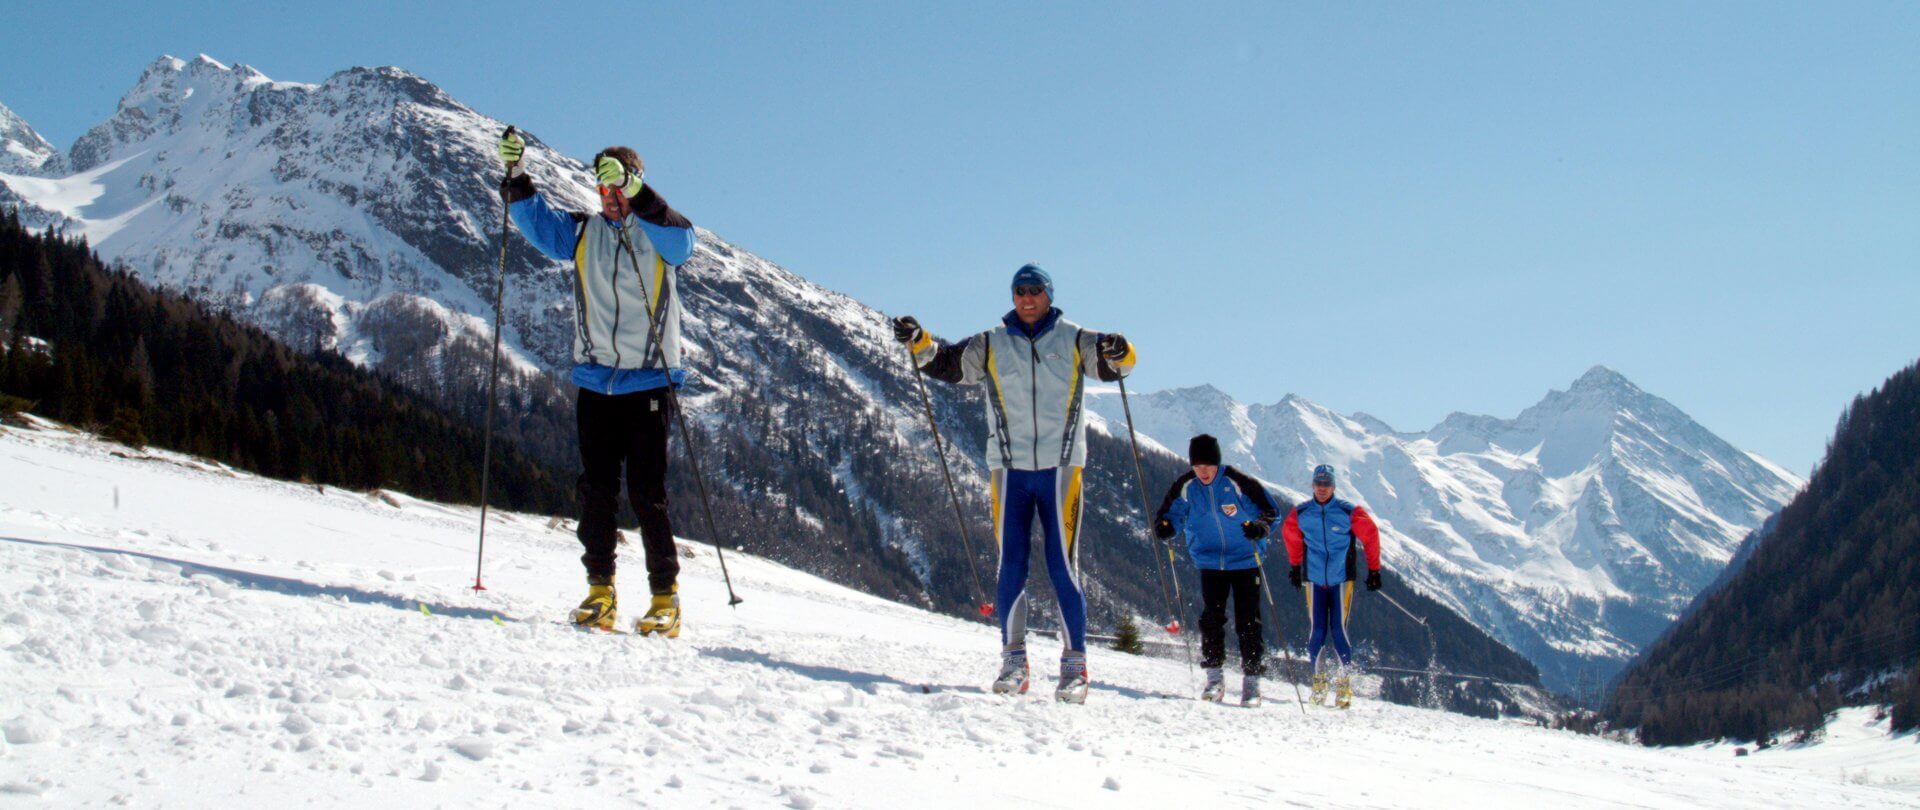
(173, 633)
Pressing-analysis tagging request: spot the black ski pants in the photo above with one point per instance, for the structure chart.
(1243, 586)
(627, 430)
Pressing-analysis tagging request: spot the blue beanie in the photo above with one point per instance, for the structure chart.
(1323, 474)
(1031, 274)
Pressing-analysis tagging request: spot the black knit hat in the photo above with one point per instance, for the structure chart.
(1204, 449)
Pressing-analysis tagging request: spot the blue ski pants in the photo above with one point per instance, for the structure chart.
(1328, 607)
(1051, 498)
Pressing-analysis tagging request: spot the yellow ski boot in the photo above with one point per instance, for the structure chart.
(663, 615)
(600, 610)
(1343, 692)
(1319, 696)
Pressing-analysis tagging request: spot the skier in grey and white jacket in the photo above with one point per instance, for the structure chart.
(1034, 365)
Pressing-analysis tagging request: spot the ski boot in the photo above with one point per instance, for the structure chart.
(1319, 695)
(1073, 679)
(600, 610)
(663, 615)
(1343, 692)
(1013, 673)
(1250, 691)
(1216, 688)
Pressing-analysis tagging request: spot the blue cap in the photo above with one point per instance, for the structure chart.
(1031, 274)
(1323, 474)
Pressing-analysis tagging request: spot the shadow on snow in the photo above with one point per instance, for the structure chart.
(267, 582)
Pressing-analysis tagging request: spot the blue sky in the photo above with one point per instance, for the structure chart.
(1402, 209)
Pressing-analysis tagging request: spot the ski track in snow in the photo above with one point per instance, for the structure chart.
(173, 633)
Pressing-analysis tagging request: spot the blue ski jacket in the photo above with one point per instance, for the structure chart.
(1209, 516)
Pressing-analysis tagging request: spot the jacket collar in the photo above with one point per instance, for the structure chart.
(1019, 327)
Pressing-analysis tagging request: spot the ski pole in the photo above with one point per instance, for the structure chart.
(673, 406)
(1140, 479)
(1433, 649)
(1279, 632)
(1393, 602)
(493, 377)
(959, 517)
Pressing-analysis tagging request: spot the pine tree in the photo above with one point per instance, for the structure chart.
(1127, 636)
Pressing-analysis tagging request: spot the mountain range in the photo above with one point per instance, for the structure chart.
(359, 215)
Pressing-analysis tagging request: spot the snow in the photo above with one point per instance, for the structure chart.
(175, 632)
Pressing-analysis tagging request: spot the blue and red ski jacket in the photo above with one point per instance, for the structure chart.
(1325, 538)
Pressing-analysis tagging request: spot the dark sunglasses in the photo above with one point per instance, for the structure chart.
(1029, 289)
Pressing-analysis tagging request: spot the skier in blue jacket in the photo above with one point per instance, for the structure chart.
(1226, 517)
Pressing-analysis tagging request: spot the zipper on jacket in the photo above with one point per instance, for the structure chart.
(1033, 395)
(1214, 500)
(613, 281)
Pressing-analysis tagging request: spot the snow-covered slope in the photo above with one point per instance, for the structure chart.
(1575, 532)
(175, 634)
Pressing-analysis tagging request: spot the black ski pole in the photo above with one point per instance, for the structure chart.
(673, 405)
(1140, 479)
(1433, 650)
(953, 494)
(493, 377)
(1279, 632)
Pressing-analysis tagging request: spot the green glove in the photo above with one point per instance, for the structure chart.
(612, 173)
(511, 147)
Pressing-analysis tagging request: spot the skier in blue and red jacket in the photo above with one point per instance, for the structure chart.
(1324, 537)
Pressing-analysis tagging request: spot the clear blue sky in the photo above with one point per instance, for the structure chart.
(1402, 209)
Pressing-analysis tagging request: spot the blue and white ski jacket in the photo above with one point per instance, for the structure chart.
(616, 294)
(1209, 515)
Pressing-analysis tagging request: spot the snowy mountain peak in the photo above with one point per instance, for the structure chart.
(1602, 377)
(22, 150)
(1574, 531)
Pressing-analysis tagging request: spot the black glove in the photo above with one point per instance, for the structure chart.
(1163, 529)
(906, 329)
(1373, 580)
(1254, 529)
(1293, 576)
(1113, 346)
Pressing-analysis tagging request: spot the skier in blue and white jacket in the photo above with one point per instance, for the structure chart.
(1226, 517)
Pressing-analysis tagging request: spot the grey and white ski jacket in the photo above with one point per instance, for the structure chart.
(1036, 386)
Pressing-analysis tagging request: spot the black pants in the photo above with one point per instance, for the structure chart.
(625, 430)
(1244, 586)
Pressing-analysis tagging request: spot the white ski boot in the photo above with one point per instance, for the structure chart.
(1216, 688)
(1013, 674)
(1073, 679)
(1250, 691)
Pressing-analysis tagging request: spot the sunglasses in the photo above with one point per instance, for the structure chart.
(611, 197)
(1029, 289)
